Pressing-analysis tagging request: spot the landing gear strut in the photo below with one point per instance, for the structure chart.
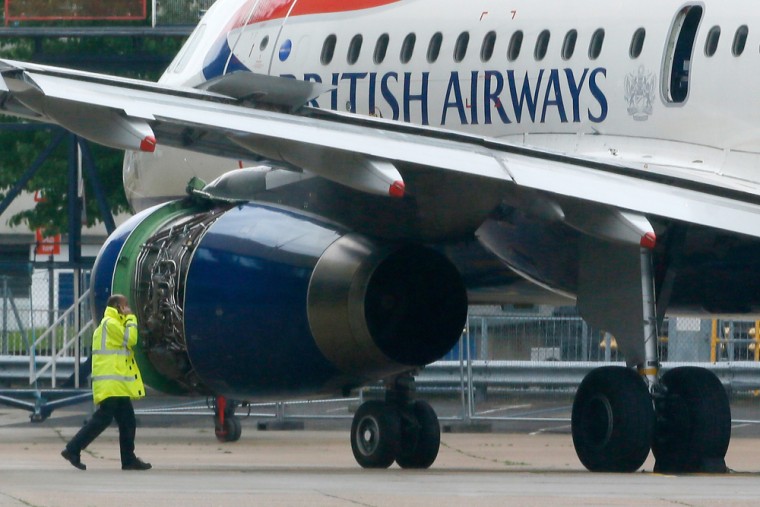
(226, 425)
(397, 429)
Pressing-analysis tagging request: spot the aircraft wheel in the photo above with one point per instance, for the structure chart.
(420, 436)
(693, 427)
(376, 434)
(612, 420)
(230, 431)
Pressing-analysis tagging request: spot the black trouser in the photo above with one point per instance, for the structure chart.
(119, 407)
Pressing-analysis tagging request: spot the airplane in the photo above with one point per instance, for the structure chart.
(322, 187)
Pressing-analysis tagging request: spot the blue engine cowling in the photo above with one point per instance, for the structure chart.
(258, 301)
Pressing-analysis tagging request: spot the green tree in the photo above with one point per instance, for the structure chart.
(20, 149)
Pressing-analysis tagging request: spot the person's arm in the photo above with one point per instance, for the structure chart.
(130, 324)
(129, 321)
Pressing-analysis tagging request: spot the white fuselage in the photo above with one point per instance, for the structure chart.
(631, 81)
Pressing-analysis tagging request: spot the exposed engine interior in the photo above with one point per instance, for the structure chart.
(160, 272)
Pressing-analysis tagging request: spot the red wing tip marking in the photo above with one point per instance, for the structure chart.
(397, 189)
(648, 240)
(148, 144)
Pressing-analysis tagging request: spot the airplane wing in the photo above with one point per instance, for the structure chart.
(369, 154)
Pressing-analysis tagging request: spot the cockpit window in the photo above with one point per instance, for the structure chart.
(189, 48)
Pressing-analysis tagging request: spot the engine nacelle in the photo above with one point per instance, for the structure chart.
(255, 300)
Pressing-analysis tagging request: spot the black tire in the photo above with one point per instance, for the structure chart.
(420, 436)
(693, 426)
(376, 434)
(612, 420)
(230, 431)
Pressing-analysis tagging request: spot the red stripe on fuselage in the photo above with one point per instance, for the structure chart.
(304, 7)
(267, 10)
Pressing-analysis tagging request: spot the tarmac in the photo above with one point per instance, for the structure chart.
(317, 468)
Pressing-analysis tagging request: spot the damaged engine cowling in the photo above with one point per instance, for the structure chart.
(255, 300)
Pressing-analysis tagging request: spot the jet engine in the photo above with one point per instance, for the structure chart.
(255, 300)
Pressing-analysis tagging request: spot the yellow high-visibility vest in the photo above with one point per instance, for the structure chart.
(114, 369)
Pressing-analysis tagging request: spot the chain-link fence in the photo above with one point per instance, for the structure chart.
(37, 317)
(181, 12)
(559, 334)
(543, 334)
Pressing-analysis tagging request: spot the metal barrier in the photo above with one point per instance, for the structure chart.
(70, 347)
(477, 368)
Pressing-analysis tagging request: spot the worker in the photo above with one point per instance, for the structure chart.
(116, 381)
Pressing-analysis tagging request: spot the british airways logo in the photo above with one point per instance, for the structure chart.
(472, 98)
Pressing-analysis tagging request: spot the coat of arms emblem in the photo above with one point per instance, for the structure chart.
(639, 93)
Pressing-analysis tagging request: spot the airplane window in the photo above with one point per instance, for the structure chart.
(489, 41)
(542, 44)
(637, 43)
(381, 48)
(740, 40)
(595, 47)
(711, 44)
(568, 47)
(328, 49)
(355, 49)
(434, 48)
(460, 49)
(264, 43)
(515, 43)
(407, 48)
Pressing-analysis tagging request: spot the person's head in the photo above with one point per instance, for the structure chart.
(119, 301)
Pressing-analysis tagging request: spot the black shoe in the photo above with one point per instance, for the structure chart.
(73, 459)
(136, 464)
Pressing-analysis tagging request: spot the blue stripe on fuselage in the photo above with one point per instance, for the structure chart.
(220, 60)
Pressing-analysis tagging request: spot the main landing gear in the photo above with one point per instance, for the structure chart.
(620, 413)
(396, 429)
(686, 421)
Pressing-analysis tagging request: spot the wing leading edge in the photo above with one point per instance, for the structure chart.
(368, 154)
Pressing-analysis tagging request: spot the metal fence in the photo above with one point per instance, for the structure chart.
(502, 354)
(546, 335)
(526, 367)
(38, 320)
